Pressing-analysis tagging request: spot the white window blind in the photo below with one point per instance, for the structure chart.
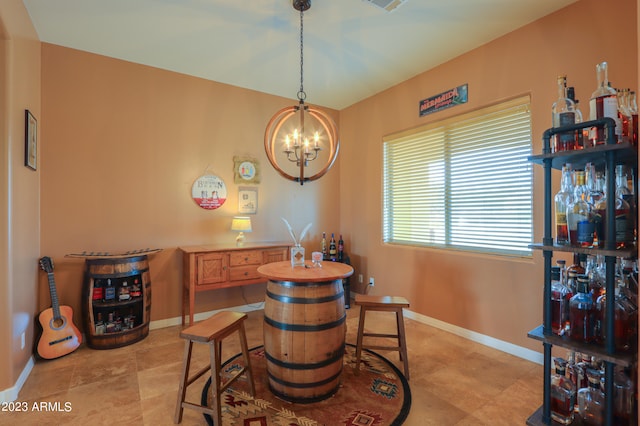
(464, 183)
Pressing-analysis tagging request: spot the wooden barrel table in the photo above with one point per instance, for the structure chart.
(304, 329)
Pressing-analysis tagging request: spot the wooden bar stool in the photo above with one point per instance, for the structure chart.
(212, 331)
(386, 304)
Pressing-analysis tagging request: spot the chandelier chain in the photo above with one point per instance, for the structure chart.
(301, 94)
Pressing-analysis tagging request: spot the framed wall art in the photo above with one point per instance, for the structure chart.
(247, 200)
(30, 140)
(246, 170)
(209, 192)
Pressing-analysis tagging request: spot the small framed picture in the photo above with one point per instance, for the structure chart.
(247, 200)
(246, 170)
(30, 140)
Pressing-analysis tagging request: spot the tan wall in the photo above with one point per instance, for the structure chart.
(20, 195)
(487, 294)
(125, 142)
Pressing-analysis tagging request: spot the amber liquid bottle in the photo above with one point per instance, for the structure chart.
(603, 103)
(562, 199)
(581, 313)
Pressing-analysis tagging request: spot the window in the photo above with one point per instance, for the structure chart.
(462, 183)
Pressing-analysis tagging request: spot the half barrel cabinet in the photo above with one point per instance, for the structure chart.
(605, 156)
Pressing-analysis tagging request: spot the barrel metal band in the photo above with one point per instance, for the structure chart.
(304, 300)
(305, 284)
(297, 366)
(305, 385)
(302, 327)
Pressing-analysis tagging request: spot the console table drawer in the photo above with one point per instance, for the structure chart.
(249, 257)
(243, 273)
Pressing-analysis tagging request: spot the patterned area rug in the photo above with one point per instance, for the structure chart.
(378, 396)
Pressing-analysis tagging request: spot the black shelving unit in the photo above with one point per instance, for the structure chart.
(608, 156)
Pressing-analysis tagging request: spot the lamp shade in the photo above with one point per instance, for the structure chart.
(241, 223)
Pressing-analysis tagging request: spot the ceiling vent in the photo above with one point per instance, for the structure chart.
(388, 5)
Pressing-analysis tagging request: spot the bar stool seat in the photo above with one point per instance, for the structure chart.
(385, 304)
(212, 331)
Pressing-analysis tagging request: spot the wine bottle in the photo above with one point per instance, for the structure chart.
(323, 248)
(340, 249)
(562, 199)
(563, 113)
(603, 103)
(332, 247)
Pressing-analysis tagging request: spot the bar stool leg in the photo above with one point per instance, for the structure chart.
(182, 390)
(247, 360)
(402, 342)
(363, 312)
(216, 354)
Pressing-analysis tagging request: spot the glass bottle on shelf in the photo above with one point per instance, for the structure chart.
(591, 399)
(109, 291)
(573, 271)
(579, 219)
(563, 394)
(623, 192)
(98, 290)
(100, 327)
(624, 115)
(623, 398)
(622, 237)
(340, 249)
(580, 133)
(603, 103)
(581, 312)
(563, 112)
(560, 296)
(633, 109)
(562, 199)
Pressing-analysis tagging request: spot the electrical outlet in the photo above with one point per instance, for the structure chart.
(372, 281)
(360, 278)
(22, 341)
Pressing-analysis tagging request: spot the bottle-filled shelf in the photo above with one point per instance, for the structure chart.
(624, 253)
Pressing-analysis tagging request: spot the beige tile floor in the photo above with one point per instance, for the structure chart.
(453, 380)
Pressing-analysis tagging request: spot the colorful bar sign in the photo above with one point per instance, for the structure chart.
(452, 97)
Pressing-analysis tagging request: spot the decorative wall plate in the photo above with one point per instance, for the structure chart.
(209, 192)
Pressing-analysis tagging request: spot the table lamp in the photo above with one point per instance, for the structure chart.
(241, 224)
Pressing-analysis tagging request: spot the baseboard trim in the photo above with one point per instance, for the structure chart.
(170, 322)
(11, 394)
(501, 345)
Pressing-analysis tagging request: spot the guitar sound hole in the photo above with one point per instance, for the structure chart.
(58, 323)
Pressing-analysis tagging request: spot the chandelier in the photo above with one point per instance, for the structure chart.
(300, 132)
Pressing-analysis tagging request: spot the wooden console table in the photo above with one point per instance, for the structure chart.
(212, 267)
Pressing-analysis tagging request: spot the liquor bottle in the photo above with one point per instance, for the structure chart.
(109, 291)
(581, 313)
(573, 271)
(340, 249)
(624, 115)
(580, 138)
(623, 192)
(136, 290)
(100, 327)
(560, 296)
(562, 199)
(123, 291)
(563, 394)
(633, 109)
(622, 238)
(98, 290)
(563, 113)
(603, 103)
(323, 248)
(332, 248)
(110, 326)
(579, 219)
(623, 399)
(591, 399)
(625, 318)
(595, 191)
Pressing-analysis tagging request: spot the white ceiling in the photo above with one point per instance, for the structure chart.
(352, 49)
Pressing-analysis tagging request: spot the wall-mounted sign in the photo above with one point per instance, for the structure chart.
(452, 97)
(209, 192)
(246, 170)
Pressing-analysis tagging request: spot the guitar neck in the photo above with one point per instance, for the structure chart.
(54, 296)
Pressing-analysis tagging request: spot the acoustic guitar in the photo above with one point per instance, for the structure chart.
(59, 335)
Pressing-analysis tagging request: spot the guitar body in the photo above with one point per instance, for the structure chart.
(59, 337)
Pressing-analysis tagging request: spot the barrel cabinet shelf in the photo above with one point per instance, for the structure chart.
(116, 301)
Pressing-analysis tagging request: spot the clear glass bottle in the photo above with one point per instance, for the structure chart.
(563, 394)
(560, 296)
(579, 219)
(581, 312)
(323, 247)
(623, 398)
(563, 113)
(623, 236)
(591, 400)
(562, 199)
(624, 115)
(633, 109)
(603, 103)
(580, 133)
